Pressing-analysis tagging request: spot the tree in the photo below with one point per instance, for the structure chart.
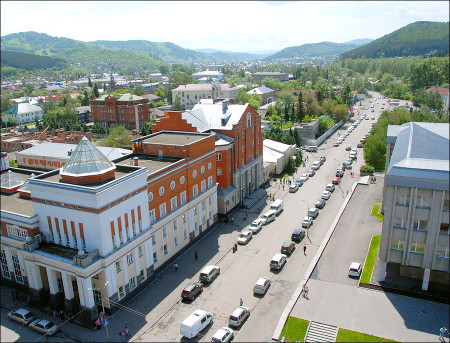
(321, 90)
(346, 93)
(139, 90)
(6, 101)
(300, 108)
(95, 91)
(118, 137)
(177, 104)
(89, 81)
(340, 112)
(160, 93)
(85, 101)
(29, 88)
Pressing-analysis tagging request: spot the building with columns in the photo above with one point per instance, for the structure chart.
(238, 145)
(416, 197)
(96, 230)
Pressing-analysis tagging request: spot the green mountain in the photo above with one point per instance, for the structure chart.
(419, 38)
(26, 61)
(322, 49)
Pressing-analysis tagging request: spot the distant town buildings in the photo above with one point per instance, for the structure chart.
(191, 94)
(261, 75)
(266, 93)
(443, 92)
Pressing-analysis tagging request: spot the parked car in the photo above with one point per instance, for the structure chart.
(336, 181)
(355, 151)
(311, 173)
(209, 273)
(320, 203)
(268, 217)
(43, 326)
(298, 235)
(337, 143)
(255, 226)
(261, 286)
(323, 159)
(359, 145)
(316, 165)
(245, 237)
(22, 316)
(299, 182)
(348, 165)
(348, 148)
(339, 173)
(288, 248)
(354, 269)
(278, 261)
(304, 177)
(191, 291)
(239, 315)
(330, 188)
(307, 222)
(224, 334)
(293, 188)
(326, 195)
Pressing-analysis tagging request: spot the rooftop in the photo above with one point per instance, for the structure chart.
(16, 204)
(151, 163)
(174, 138)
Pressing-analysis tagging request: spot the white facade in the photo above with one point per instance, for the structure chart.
(24, 113)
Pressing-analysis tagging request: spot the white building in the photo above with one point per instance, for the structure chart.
(191, 94)
(277, 154)
(210, 75)
(23, 113)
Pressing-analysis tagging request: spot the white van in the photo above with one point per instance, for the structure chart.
(278, 261)
(268, 217)
(209, 273)
(196, 322)
(277, 206)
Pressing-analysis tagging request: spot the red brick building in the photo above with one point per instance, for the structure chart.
(110, 110)
(239, 145)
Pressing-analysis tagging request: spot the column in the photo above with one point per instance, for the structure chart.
(89, 315)
(34, 275)
(56, 300)
(51, 275)
(67, 283)
(426, 279)
(382, 272)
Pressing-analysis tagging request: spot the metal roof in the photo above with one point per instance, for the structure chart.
(23, 108)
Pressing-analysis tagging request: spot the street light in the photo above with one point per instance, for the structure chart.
(103, 306)
(307, 204)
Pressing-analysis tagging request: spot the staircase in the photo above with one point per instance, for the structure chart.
(319, 332)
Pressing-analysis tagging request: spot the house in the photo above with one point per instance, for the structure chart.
(443, 92)
(416, 197)
(23, 113)
(261, 75)
(84, 114)
(110, 110)
(210, 75)
(277, 154)
(191, 94)
(266, 93)
(238, 145)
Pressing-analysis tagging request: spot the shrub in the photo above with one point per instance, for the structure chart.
(367, 169)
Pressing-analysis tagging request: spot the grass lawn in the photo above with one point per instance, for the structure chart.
(380, 217)
(376, 208)
(370, 259)
(354, 336)
(294, 329)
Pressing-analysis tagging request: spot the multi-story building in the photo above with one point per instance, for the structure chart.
(266, 93)
(110, 110)
(191, 94)
(416, 202)
(261, 75)
(210, 75)
(239, 149)
(23, 113)
(97, 229)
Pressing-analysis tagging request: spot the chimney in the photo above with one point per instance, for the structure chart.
(224, 106)
(136, 161)
(69, 153)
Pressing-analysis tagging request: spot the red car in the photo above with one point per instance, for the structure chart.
(335, 181)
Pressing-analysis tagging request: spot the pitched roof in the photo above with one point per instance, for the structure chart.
(23, 108)
(441, 90)
(260, 90)
(276, 146)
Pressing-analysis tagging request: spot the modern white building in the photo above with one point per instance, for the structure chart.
(416, 202)
(23, 113)
(191, 94)
(276, 155)
(210, 75)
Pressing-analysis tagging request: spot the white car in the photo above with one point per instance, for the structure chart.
(255, 226)
(245, 237)
(43, 326)
(326, 195)
(261, 286)
(268, 217)
(224, 334)
(355, 269)
(293, 188)
(304, 177)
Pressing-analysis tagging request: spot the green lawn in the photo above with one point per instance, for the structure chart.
(380, 217)
(370, 259)
(294, 329)
(354, 336)
(376, 208)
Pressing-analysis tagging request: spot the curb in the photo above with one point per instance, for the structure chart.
(290, 305)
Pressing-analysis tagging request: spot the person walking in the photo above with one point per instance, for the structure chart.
(196, 256)
(306, 291)
(97, 323)
(304, 250)
(61, 315)
(442, 332)
(123, 335)
(241, 302)
(175, 266)
(127, 331)
(303, 290)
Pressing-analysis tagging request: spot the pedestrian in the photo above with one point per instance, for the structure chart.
(241, 302)
(127, 330)
(175, 266)
(196, 256)
(442, 332)
(61, 315)
(273, 197)
(28, 300)
(374, 179)
(303, 289)
(54, 313)
(46, 340)
(123, 335)
(283, 187)
(304, 250)
(97, 323)
(14, 298)
(235, 246)
(306, 291)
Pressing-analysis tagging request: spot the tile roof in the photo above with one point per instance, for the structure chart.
(441, 90)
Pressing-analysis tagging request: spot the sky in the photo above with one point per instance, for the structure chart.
(240, 26)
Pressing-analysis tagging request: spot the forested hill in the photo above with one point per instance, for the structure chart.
(23, 60)
(419, 38)
(312, 50)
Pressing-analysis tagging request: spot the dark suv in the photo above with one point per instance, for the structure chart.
(191, 291)
(298, 235)
(287, 248)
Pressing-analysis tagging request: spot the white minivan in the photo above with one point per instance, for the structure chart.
(277, 206)
(196, 322)
(209, 273)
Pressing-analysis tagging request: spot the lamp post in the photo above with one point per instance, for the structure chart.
(307, 204)
(103, 306)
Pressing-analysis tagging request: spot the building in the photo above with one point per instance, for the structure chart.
(84, 114)
(95, 231)
(238, 146)
(191, 94)
(266, 93)
(261, 75)
(444, 93)
(210, 75)
(276, 155)
(110, 110)
(23, 113)
(416, 193)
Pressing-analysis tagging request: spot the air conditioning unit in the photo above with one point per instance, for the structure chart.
(39, 237)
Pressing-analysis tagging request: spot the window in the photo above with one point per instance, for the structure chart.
(130, 258)
(175, 225)
(150, 197)
(219, 156)
(132, 283)
(420, 225)
(121, 293)
(210, 181)
(203, 204)
(118, 267)
(173, 203)
(443, 229)
(397, 244)
(249, 119)
(195, 226)
(209, 201)
(162, 210)
(399, 223)
(155, 257)
(184, 218)
(202, 169)
(183, 197)
(446, 205)
(424, 197)
(418, 248)
(243, 148)
(172, 185)
(5, 269)
(403, 196)
(203, 185)
(195, 210)
(166, 251)
(161, 190)
(151, 215)
(442, 252)
(219, 171)
(164, 232)
(194, 174)
(195, 190)
(204, 220)
(113, 242)
(175, 242)
(97, 296)
(185, 234)
(243, 133)
(127, 234)
(140, 251)
(209, 165)
(153, 238)
(142, 275)
(182, 179)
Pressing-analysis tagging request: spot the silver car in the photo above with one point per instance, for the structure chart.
(44, 326)
(22, 316)
(261, 286)
(239, 315)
